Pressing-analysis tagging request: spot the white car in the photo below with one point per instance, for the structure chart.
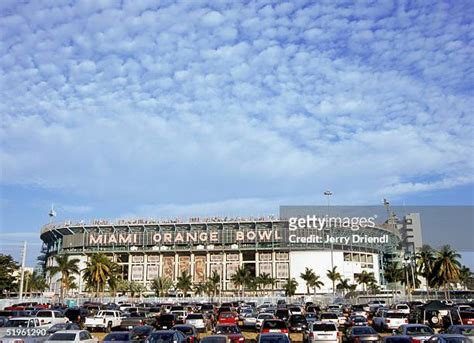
(49, 317)
(261, 317)
(70, 336)
(14, 326)
(329, 317)
(389, 320)
(402, 308)
(324, 331)
(197, 320)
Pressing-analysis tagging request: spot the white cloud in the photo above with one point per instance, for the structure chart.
(191, 104)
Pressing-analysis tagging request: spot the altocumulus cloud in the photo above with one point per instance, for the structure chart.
(187, 102)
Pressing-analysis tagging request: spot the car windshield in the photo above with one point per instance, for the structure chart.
(59, 326)
(274, 324)
(457, 340)
(265, 316)
(363, 331)
(223, 329)
(324, 327)
(416, 330)
(328, 316)
(226, 315)
(161, 337)
(62, 337)
(397, 339)
(273, 339)
(187, 330)
(467, 331)
(211, 339)
(395, 315)
(117, 336)
(17, 323)
(195, 316)
(140, 330)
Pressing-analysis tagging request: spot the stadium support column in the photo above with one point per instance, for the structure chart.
(176, 267)
(191, 261)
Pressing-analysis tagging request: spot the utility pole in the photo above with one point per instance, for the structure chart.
(328, 194)
(22, 278)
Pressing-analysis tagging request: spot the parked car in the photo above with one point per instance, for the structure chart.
(104, 320)
(230, 330)
(197, 320)
(329, 316)
(389, 320)
(166, 336)
(215, 339)
(180, 315)
(402, 308)
(165, 321)
(261, 317)
(189, 331)
(61, 327)
(357, 321)
(141, 333)
(326, 332)
(274, 325)
(282, 313)
(466, 330)
(227, 318)
(132, 320)
(364, 334)
(273, 338)
(73, 336)
(297, 323)
(448, 338)
(397, 339)
(118, 337)
(311, 317)
(51, 317)
(76, 315)
(419, 333)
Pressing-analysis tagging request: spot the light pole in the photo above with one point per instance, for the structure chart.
(328, 195)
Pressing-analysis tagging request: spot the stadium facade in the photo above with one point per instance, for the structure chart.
(146, 249)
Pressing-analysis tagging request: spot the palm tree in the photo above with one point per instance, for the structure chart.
(240, 277)
(365, 278)
(309, 277)
(200, 289)
(214, 283)
(333, 275)
(136, 288)
(253, 284)
(290, 287)
(37, 282)
(465, 275)
(393, 273)
(66, 267)
(446, 268)
(265, 280)
(99, 269)
(161, 285)
(343, 285)
(122, 286)
(184, 283)
(316, 283)
(425, 261)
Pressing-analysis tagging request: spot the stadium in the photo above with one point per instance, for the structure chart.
(146, 249)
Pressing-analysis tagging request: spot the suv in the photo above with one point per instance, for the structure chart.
(322, 331)
(51, 317)
(297, 323)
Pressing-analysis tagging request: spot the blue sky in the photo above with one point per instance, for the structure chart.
(159, 109)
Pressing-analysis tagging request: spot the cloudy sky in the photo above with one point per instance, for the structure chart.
(161, 109)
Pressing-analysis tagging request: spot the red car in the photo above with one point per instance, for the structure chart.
(228, 318)
(232, 331)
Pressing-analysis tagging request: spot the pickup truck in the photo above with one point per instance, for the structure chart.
(104, 320)
(22, 327)
(51, 317)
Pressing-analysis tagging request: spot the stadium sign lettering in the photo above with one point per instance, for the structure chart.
(185, 237)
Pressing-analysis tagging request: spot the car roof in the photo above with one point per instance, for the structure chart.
(22, 318)
(71, 331)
